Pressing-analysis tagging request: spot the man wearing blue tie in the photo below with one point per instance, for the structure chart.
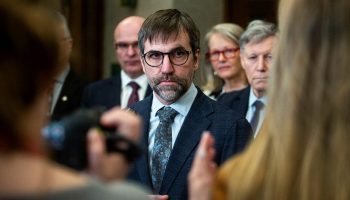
(177, 112)
(256, 45)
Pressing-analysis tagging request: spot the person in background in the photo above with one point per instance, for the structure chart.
(256, 45)
(302, 151)
(177, 112)
(223, 54)
(29, 62)
(128, 86)
(68, 86)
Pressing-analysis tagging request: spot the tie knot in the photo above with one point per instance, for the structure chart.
(258, 105)
(166, 114)
(134, 85)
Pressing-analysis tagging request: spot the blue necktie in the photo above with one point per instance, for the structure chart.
(162, 145)
(254, 122)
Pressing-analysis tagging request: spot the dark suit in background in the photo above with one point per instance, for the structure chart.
(230, 130)
(236, 100)
(70, 96)
(105, 93)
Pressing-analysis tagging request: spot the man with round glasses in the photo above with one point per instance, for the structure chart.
(130, 84)
(177, 113)
(177, 57)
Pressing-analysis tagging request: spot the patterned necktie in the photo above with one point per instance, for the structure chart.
(254, 122)
(162, 145)
(134, 96)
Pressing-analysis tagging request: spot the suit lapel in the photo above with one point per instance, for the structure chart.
(244, 96)
(148, 91)
(66, 90)
(71, 89)
(116, 85)
(142, 166)
(195, 123)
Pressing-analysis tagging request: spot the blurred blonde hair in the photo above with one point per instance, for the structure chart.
(302, 151)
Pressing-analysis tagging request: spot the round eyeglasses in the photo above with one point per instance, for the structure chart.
(215, 55)
(177, 57)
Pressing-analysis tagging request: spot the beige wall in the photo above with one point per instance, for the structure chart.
(205, 13)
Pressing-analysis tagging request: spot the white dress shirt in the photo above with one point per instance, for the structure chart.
(127, 89)
(182, 106)
(251, 109)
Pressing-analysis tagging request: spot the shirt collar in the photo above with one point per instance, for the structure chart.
(141, 80)
(60, 78)
(253, 98)
(182, 105)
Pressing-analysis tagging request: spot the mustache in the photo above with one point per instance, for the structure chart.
(173, 78)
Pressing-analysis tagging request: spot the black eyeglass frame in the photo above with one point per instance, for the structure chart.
(169, 55)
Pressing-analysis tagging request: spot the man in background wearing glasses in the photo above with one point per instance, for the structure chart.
(128, 86)
(256, 45)
(177, 113)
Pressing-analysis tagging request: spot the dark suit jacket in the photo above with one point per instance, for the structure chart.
(231, 134)
(236, 100)
(70, 96)
(105, 93)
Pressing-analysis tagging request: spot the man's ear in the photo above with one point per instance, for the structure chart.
(242, 60)
(196, 59)
(142, 64)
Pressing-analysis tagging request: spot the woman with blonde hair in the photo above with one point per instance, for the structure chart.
(302, 151)
(223, 58)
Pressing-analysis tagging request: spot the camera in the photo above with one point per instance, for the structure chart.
(66, 139)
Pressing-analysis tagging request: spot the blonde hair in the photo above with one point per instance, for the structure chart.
(302, 151)
(230, 31)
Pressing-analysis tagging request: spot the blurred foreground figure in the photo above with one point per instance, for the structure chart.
(29, 62)
(302, 151)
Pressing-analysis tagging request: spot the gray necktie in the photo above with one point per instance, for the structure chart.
(162, 145)
(254, 122)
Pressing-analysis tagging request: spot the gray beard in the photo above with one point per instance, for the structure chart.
(170, 93)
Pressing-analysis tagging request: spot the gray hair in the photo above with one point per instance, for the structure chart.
(257, 31)
(228, 30)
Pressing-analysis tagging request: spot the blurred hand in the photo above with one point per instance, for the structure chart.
(111, 166)
(203, 170)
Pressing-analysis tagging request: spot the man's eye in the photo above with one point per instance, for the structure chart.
(179, 53)
(252, 58)
(154, 55)
(268, 57)
(122, 45)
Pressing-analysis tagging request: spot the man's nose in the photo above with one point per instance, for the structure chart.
(131, 50)
(167, 67)
(262, 64)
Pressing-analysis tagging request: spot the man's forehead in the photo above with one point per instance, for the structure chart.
(265, 44)
(180, 39)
